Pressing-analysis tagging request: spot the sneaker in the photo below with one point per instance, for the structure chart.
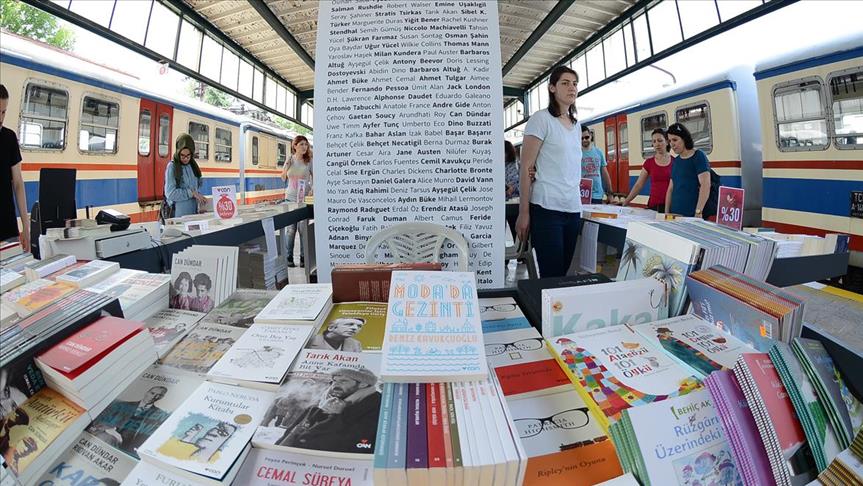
(291, 263)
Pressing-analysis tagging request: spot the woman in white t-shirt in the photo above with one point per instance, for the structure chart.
(296, 173)
(550, 207)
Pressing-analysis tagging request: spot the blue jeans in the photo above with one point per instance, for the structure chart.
(553, 234)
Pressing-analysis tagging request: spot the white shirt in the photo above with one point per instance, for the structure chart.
(558, 165)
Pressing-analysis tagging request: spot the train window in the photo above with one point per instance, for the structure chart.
(43, 117)
(201, 134)
(801, 121)
(223, 145)
(100, 120)
(282, 154)
(610, 147)
(648, 125)
(144, 133)
(696, 119)
(255, 152)
(624, 141)
(165, 135)
(846, 95)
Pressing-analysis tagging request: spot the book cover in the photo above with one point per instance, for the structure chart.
(275, 468)
(142, 407)
(621, 369)
(135, 289)
(397, 447)
(681, 441)
(352, 327)
(209, 431)
(13, 295)
(146, 474)
(573, 309)
(433, 329)
(88, 462)
(201, 348)
(499, 308)
(240, 309)
(530, 291)
(41, 297)
(382, 441)
(303, 302)
(563, 440)
(19, 380)
(195, 282)
(77, 353)
(10, 279)
(88, 273)
(37, 269)
(695, 342)
(522, 361)
(369, 282)
(169, 326)
(30, 429)
(329, 404)
(262, 354)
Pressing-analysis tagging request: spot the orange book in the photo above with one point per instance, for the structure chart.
(46, 295)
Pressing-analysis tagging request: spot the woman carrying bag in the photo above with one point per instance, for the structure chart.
(183, 179)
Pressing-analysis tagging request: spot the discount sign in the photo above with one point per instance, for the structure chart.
(586, 190)
(225, 201)
(730, 207)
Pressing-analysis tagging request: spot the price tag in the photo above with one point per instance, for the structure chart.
(586, 190)
(730, 207)
(225, 201)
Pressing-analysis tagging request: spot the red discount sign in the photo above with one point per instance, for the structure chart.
(225, 201)
(586, 190)
(730, 207)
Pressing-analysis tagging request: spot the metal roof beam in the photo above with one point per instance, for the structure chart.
(276, 24)
(549, 20)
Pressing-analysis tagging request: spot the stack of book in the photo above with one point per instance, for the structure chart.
(369, 282)
(84, 366)
(265, 467)
(169, 326)
(89, 459)
(141, 294)
(304, 303)
(206, 439)
(88, 274)
(199, 350)
(11, 249)
(38, 431)
(9, 279)
(806, 245)
(37, 269)
(530, 292)
(678, 441)
(240, 309)
(202, 277)
(34, 296)
(752, 311)
(847, 467)
(258, 269)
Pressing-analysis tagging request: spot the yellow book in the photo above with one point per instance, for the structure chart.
(42, 298)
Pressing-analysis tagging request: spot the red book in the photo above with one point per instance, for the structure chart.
(436, 448)
(778, 404)
(80, 351)
(531, 376)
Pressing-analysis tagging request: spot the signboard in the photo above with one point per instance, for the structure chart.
(730, 207)
(585, 187)
(409, 124)
(857, 204)
(225, 201)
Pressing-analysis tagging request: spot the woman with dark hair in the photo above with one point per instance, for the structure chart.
(689, 187)
(183, 178)
(511, 165)
(297, 172)
(202, 302)
(658, 169)
(181, 291)
(550, 207)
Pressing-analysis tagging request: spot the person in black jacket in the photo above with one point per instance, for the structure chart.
(345, 419)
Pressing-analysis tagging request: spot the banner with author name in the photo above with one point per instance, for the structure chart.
(409, 127)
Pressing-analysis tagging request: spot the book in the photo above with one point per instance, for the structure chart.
(36, 433)
(196, 281)
(352, 327)
(433, 329)
(169, 326)
(37, 269)
(260, 358)
(530, 292)
(369, 282)
(303, 302)
(39, 296)
(572, 309)
(275, 468)
(501, 313)
(201, 348)
(563, 440)
(240, 309)
(329, 405)
(10, 279)
(417, 460)
(695, 343)
(147, 474)
(522, 362)
(620, 369)
(21, 291)
(88, 274)
(141, 294)
(208, 433)
(140, 409)
(88, 461)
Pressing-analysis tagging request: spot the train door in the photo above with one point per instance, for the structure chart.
(617, 152)
(154, 148)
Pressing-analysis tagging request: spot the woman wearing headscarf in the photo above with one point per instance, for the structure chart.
(183, 178)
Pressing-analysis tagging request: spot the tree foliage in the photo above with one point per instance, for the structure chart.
(27, 21)
(289, 125)
(209, 95)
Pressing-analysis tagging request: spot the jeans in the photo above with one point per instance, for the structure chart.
(553, 234)
(292, 234)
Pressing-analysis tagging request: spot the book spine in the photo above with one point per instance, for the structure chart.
(445, 424)
(455, 441)
(383, 434)
(436, 449)
(398, 436)
(417, 443)
(579, 388)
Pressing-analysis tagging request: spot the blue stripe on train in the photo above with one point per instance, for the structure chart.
(810, 195)
(264, 183)
(730, 181)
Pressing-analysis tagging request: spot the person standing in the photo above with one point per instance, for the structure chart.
(658, 169)
(12, 181)
(295, 173)
(594, 167)
(689, 187)
(550, 207)
(183, 178)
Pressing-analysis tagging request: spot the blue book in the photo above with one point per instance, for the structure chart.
(505, 324)
(397, 445)
(383, 436)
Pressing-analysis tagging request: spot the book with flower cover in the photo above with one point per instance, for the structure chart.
(695, 342)
(88, 461)
(619, 368)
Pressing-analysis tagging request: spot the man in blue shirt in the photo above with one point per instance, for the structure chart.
(594, 167)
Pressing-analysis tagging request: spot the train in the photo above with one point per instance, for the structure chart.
(70, 112)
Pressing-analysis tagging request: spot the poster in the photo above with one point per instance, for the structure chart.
(409, 123)
(730, 204)
(225, 201)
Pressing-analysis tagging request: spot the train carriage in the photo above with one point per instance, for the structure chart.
(812, 126)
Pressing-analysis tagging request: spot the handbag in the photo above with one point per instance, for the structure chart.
(166, 210)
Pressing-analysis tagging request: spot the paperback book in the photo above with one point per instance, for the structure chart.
(303, 302)
(89, 273)
(201, 348)
(369, 282)
(88, 462)
(522, 362)
(147, 474)
(36, 296)
(240, 309)
(169, 326)
(10, 279)
(36, 269)
(266, 467)
(352, 327)
(196, 281)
